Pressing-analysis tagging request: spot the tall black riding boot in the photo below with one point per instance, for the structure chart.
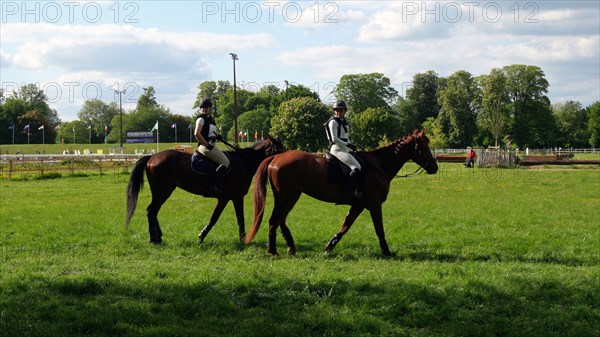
(352, 185)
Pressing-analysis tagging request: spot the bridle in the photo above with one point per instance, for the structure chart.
(419, 169)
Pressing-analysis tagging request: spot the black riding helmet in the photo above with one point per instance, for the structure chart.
(340, 105)
(205, 103)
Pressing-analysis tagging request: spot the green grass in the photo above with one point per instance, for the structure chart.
(483, 252)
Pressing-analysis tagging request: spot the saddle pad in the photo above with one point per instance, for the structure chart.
(337, 172)
(203, 165)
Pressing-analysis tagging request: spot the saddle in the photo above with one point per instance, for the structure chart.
(203, 165)
(338, 172)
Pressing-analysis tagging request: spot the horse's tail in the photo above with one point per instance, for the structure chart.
(260, 196)
(136, 181)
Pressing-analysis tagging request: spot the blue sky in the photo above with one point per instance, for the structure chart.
(77, 50)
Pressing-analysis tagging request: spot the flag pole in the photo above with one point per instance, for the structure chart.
(157, 141)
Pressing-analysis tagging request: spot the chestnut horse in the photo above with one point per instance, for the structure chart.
(170, 169)
(295, 172)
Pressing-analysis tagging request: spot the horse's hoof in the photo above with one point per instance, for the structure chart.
(156, 241)
(292, 251)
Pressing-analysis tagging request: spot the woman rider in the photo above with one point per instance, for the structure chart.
(338, 132)
(206, 134)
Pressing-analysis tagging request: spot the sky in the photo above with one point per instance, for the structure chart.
(78, 50)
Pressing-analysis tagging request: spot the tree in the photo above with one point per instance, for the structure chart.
(407, 115)
(256, 120)
(533, 124)
(74, 132)
(267, 98)
(572, 124)
(298, 90)
(299, 123)
(147, 112)
(211, 90)
(493, 116)
(147, 99)
(97, 114)
(363, 91)
(458, 112)
(374, 126)
(29, 106)
(423, 95)
(183, 126)
(437, 138)
(9, 117)
(594, 123)
(225, 115)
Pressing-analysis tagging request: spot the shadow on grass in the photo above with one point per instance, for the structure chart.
(68, 306)
(354, 251)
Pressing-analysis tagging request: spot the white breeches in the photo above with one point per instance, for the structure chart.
(215, 154)
(345, 157)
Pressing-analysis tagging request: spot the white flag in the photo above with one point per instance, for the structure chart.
(155, 127)
(41, 128)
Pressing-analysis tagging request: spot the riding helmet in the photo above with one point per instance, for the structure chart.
(205, 103)
(340, 105)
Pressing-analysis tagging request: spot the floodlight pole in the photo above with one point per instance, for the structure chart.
(121, 114)
(234, 57)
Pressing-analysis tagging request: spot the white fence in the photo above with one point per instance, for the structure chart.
(26, 166)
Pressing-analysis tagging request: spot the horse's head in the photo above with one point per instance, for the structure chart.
(272, 146)
(421, 154)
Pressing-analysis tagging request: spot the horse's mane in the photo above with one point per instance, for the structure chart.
(252, 147)
(399, 143)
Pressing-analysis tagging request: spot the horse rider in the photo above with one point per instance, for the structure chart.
(206, 134)
(338, 132)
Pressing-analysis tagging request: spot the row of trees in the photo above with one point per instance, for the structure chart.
(507, 107)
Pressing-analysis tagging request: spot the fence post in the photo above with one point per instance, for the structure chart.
(10, 169)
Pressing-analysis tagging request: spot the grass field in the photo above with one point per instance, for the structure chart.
(483, 252)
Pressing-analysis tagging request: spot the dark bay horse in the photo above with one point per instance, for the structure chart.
(295, 172)
(170, 169)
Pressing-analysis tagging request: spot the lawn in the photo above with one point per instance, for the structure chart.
(482, 252)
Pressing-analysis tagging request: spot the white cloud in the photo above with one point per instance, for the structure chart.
(119, 48)
(5, 59)
(408, 20)
(98, 56)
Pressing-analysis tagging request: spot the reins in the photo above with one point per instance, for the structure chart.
(230, 146)
(418, 171)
